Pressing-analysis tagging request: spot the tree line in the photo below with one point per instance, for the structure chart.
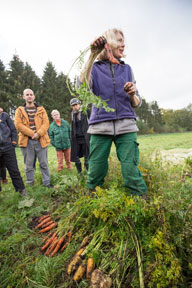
(52, 92)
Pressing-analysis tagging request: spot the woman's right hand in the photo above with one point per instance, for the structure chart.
(98, 45)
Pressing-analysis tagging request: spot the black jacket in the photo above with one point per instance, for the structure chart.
(8, 132)
(84, 120)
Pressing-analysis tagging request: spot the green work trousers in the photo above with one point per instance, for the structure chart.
(127, 153)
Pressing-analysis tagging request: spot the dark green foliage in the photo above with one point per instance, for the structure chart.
(3, 88)
(54, 92)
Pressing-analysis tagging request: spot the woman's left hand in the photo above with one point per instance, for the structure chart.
(129, 88)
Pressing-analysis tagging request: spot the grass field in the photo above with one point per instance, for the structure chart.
(122, 229)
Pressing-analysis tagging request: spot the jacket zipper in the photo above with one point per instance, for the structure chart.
(113, 79)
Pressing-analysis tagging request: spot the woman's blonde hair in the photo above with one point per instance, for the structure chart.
(111, 37)
(53, 111)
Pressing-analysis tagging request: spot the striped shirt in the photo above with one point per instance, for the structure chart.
(31, 111)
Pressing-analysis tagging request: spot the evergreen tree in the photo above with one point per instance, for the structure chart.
(4, 103)
(31, 80)
(49, 92)
(54, 93)
(64, 98)
(16, 83)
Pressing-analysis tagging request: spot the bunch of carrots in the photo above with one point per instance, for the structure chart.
(52, 243)
(79, 267)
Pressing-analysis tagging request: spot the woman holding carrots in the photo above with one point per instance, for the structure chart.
(113, 80)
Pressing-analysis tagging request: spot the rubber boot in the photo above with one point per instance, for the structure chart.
(86, 165)
(78, 166)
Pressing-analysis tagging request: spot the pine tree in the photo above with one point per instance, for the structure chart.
(64, 98)
(48, 95)
(31, 80)
(4, 103)
(54, 93)
(16, 83)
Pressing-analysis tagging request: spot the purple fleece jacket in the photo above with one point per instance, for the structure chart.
(107, 82)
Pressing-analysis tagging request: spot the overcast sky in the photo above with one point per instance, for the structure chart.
(158, 37)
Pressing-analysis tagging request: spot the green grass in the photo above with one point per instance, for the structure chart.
(159, 229)
(150, 142)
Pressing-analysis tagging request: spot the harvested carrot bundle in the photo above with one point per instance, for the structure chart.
(84, 242)
(49, 241)
(90, 267)
(47, 228)
(43, 222)
(52, 246)
(74, 264)
(42, 217)
(79, 273)
(47, 224)
(59, 243)
(46, 237)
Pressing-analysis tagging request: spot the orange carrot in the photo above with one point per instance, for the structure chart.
(43, 217)
(110, 54)
(52, 247)
(43, 222)
(47, 228)
(49, 241)
(69, 235)
(46, 237)
(47, 224)
(64, 246)
(59, 243)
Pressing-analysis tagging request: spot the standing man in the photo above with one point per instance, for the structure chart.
(32, 123)
(79, 136)
(8, 138)
(2, 165)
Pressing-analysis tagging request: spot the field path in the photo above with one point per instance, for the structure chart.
(173, 156)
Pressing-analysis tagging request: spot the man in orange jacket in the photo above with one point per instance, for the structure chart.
(32, 123)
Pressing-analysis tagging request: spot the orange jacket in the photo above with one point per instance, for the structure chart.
(41, 123)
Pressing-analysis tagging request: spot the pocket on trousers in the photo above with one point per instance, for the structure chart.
(136, 154)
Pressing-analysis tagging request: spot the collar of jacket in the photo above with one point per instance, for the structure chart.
(22, 108)
(108, 62)
(36, 105)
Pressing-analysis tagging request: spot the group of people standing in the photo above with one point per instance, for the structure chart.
(111, 79)
(35, 135)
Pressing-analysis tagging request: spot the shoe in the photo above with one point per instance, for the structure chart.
(5, 181)
(24, 193)
(49, 186)
(86, 165)
(78, 166)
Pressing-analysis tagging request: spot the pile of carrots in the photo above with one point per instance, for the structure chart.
(52, 243)
(45, 223)
(79, 267)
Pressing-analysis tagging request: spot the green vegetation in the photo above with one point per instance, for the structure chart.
(123, 230)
